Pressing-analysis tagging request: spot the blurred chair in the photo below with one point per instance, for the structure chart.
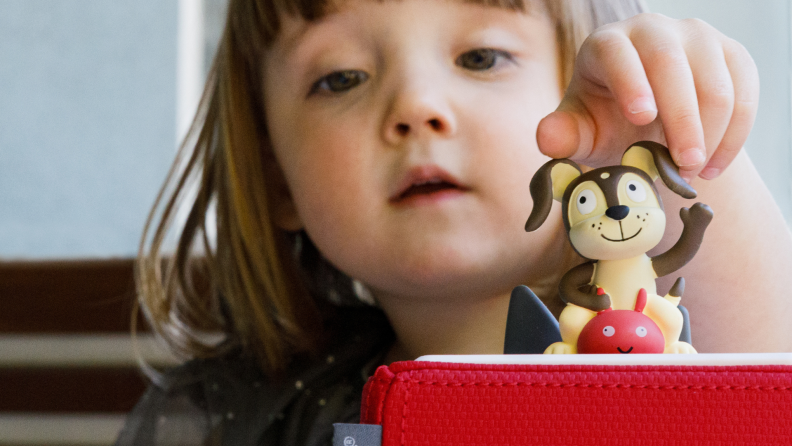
(68, 373)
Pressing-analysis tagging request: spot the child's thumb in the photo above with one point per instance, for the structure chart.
(565, 134)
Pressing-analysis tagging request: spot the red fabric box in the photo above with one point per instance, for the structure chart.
(431, 403)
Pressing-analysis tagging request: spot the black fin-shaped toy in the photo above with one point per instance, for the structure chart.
(530, 327)
(684, 336)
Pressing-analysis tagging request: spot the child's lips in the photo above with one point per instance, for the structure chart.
(423, 184)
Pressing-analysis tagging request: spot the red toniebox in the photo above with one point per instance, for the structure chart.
(582, 400)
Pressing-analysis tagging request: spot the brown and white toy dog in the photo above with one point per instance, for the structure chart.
(613, 216)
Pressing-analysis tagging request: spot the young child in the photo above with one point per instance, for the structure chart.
(382, 152)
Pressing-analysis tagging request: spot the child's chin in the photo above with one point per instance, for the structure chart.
(447, 281)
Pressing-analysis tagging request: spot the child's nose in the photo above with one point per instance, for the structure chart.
(419, 115)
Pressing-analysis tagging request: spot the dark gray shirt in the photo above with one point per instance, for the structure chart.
(228, 401)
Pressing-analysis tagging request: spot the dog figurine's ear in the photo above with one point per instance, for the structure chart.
(549, 183)
(655, 160)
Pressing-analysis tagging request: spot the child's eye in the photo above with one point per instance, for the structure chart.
(339, 81)
(481, 59)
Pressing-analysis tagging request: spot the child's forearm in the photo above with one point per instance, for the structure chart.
(737, 289)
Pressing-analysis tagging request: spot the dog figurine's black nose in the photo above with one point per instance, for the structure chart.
(617, 212)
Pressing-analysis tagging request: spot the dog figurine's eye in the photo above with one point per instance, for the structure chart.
(635, 191)
(586, 202)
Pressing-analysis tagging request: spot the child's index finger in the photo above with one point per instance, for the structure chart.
(609, 60)
(670, 75)
(608, 94)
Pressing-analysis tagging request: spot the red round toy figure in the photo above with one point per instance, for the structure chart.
(622, 331)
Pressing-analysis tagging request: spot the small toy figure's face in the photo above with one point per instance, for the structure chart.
(614, 214)
(621, 331)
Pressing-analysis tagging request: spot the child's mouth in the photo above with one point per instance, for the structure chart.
(426, 183)
(427, 188)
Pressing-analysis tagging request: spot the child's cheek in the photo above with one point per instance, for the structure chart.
(333, 188)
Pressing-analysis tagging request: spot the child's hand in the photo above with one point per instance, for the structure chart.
(703, 86)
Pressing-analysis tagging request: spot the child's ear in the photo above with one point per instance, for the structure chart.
(654, 159)
(549, 183)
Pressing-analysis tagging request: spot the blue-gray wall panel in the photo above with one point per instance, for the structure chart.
(87, 123)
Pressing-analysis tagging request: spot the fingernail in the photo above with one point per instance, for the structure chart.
(690, 157)
(642, 105)
(710, 173)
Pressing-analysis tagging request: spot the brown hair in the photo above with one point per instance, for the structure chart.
(246, 286)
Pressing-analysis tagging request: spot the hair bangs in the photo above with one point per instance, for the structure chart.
(262, 18)
(515, 5)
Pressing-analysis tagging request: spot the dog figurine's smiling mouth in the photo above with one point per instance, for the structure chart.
(623, 239)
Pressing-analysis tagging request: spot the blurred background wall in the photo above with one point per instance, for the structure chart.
(87, 123)
(93, 97)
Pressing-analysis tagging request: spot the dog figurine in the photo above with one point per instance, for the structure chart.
(613, 216)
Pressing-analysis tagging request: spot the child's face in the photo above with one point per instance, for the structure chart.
(406, 134)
